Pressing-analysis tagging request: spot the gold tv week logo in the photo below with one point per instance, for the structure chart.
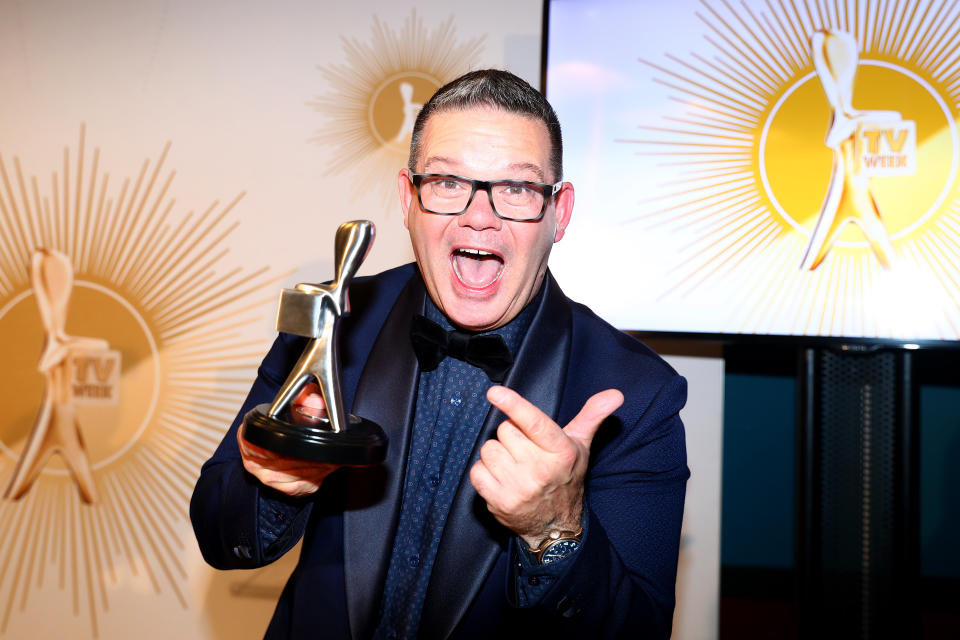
(76, 371)
(123, 273)
(843, 123)
(95, 377)
(887, 149)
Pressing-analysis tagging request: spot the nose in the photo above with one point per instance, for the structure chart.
(479, 216)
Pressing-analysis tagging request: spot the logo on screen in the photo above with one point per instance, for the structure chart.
(865, 144)
(123, 365)
(816, 155)
(884, 165)
(372, 102)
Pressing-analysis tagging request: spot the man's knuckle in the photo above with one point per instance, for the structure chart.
(542, 475)
(538, 425)
(567, 458)
(488, 450)
(511, 503)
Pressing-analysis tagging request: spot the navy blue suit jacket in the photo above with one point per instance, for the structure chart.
(620, 584)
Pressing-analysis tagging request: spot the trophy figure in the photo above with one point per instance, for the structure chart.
(314, 311)
(56, 428)
(848, 198)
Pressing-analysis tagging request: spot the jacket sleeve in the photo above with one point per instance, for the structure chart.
(224, 508)
(622, 581)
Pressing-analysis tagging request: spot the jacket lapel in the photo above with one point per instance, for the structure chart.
(386, 394)
(472, 538)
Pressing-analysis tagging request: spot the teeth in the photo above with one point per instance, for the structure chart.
(475, 252)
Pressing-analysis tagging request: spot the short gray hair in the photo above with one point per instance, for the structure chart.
(491, 88)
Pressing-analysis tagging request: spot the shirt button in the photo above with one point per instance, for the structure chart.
(456, 400)
(413, 561)
(434, 481)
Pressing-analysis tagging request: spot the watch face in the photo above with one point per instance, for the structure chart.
(559, 550)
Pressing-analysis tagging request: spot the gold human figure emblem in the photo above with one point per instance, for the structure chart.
(56, 429)
(848, 198)
(410, 111)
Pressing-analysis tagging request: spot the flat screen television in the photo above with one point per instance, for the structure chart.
(758, 169)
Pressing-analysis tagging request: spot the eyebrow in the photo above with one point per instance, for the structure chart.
(517, 166)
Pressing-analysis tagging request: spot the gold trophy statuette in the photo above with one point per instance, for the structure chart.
(848, 197)
(56, 428)
(314, 311)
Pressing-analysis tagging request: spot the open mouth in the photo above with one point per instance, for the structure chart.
(476, 268)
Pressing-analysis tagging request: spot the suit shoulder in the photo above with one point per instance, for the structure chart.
(390, 280)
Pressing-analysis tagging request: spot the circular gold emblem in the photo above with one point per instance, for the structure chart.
(124, 362)
(110, 426)
(394, 106)
(817, 168)
(796, 168)
(373, 101)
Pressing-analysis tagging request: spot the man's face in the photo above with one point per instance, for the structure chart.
(488, 289)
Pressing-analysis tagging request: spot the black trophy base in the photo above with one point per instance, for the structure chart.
(362, 442)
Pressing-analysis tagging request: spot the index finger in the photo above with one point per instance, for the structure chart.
(535, 424)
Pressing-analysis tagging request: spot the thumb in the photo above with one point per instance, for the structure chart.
(595, 410)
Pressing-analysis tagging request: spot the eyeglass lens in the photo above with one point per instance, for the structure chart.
(450, 195)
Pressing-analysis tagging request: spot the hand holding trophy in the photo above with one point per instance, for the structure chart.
(314, 311)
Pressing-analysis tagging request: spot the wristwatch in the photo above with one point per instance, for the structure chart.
(557, 546)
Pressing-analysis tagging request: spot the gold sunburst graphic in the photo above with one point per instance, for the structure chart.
(111, 268)
(375, 98)
(759, 168)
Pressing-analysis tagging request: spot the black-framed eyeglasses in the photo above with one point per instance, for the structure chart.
(449, 195)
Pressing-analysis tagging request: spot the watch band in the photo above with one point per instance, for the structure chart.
(562, 542)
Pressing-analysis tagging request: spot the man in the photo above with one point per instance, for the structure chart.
(555, 511)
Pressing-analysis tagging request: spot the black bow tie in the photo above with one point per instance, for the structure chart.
(432, 343)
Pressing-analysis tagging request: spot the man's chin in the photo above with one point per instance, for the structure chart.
(474, 309)
(477, 317)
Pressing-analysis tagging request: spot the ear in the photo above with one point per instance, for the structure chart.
(405, 187)
(563, 209)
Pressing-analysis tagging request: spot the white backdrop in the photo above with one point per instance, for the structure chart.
(271, 102)
(698, 574)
